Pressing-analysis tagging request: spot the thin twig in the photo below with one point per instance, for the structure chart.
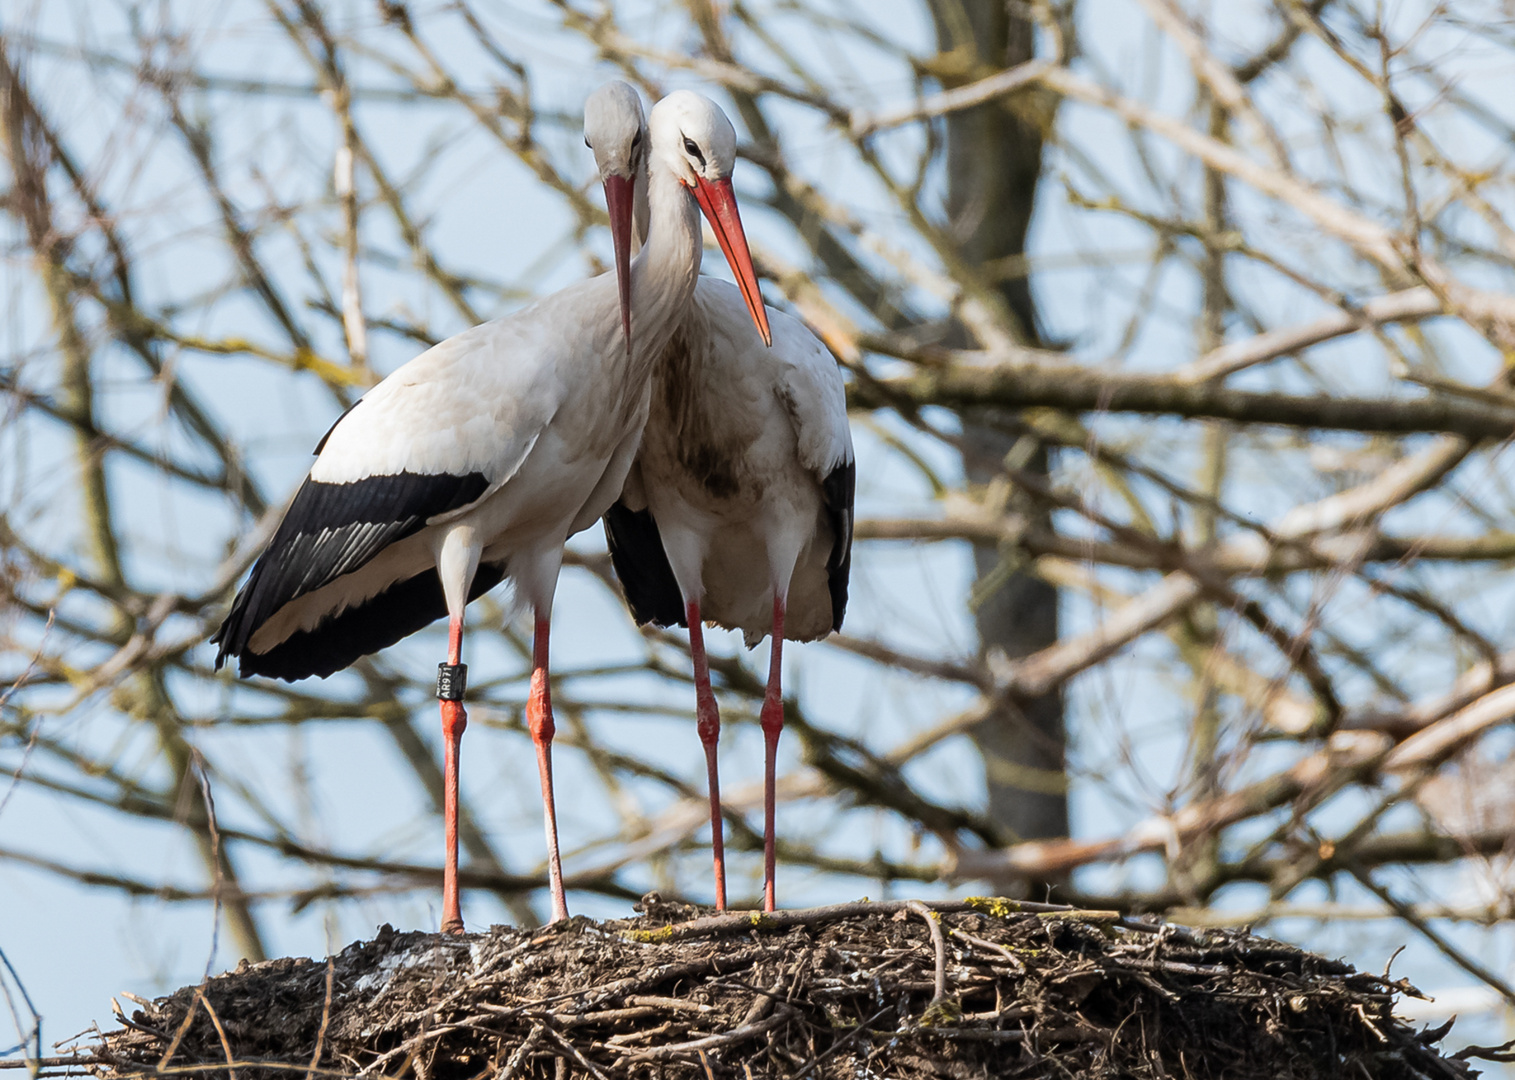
(315, 1055)
(231, 1071)
(938, 943)
(1451, 951)
(203, 775)
(179, 1033)
(980, 943)
(516, 1059)
(742, 922)
(577, 1055)
(16, 684)
(781, 1015)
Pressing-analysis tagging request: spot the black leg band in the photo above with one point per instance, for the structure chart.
(452, 681)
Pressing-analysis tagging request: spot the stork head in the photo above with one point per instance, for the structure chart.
(615, 130)
(692, 138)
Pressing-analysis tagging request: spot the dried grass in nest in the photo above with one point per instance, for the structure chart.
(900, 990)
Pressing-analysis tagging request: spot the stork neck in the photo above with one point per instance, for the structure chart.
(664, 273)
(640, 210)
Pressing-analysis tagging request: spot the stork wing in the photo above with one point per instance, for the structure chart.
(811, 389)
(334, 529)
(474, 403)
(431, 440)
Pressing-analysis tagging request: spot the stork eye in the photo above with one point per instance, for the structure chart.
(694, 150)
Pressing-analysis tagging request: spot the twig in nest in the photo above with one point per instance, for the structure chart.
(315, 1057)
(667, 1003)
(173, 1045)
(203, 772)
(231, 1072)
(746, 921)
(980, 943)
(407, 1047)
(762, 1001)
(1169, 965)
(526, 1007)
(527, 1045)
(839, 1045)
(573, 1052)
(115, 1007)
(663, 973)
(64, 1062)
(709, 1042)
(938, 943)
(1500, 1053)
(992, 1035)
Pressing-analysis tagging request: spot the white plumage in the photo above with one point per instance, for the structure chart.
(740, 442)
(738, 509)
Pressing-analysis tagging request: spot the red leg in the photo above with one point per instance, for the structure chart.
(454, 720)
(539, 719)
(773, 723)
(709, 716)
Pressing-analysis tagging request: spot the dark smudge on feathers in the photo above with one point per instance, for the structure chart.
(711, 457)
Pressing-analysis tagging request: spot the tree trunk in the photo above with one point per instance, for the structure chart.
(993, 164)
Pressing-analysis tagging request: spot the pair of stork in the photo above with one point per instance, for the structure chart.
(710, 437)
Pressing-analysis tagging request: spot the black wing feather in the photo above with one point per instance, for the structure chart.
(334, 529)
(636, 552)
(397, 612)
(838, 492)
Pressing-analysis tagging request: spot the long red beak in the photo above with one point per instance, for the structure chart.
(719, 204)
(618, 200)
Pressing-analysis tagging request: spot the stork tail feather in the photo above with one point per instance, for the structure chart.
(839, 490)
(395, 613)
(636, 552)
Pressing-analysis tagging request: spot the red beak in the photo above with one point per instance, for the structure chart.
(719, 204)
(618, 201)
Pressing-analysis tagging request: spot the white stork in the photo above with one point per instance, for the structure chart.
(476, 461)
(738, 509)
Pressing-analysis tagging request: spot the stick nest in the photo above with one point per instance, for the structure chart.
(964, 989)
